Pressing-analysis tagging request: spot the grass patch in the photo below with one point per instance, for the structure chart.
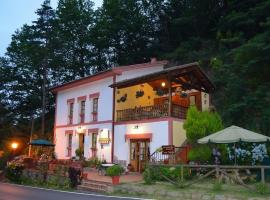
(204, 187)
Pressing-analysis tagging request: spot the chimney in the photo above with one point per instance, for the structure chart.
(153, 60)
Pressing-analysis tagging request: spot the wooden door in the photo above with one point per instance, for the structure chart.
(139, 154)
(81, 141)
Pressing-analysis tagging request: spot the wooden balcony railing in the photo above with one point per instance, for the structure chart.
(179, 111)
(150, 112)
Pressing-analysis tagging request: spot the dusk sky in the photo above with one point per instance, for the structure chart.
(15, 13)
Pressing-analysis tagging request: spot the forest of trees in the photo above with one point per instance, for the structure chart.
(230, 39)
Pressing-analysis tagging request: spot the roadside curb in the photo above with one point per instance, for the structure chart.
(76, 192)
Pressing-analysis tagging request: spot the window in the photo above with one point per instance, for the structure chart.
(95, 109)
(94, 145)
(69, 144)
(70, 115)
(94, 140)
(82, 111)
(192, 100)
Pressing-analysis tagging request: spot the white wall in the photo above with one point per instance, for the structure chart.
(205, 101)
(104, 114)
(61, 142)
(138, 72)
(104, 102)
(159, 132)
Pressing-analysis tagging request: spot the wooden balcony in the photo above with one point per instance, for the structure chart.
(151, 112)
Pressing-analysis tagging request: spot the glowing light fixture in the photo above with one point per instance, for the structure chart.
(136, 127)
(14, 145)
(163, 84)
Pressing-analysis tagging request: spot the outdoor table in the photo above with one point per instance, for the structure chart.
(103, 167)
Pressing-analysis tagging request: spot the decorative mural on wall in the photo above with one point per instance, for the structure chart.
(122, 98)
(139, 93)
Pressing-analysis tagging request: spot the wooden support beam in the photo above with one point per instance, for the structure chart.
(170, 95)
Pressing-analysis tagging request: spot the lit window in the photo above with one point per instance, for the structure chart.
(95, 109)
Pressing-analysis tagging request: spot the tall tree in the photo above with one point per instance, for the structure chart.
(75, 19)
(242, 96)
(29, 58)
(124, 32)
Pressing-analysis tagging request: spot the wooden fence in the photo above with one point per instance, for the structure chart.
(219, 170)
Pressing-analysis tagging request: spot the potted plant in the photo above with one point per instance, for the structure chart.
(115, 171)
(79, 153)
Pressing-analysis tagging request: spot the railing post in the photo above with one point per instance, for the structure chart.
(262, 175)
(217, 172)
(182, 173)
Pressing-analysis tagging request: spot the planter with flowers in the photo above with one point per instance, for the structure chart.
(115, 172)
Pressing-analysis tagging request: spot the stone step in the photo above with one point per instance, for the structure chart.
(97, 186)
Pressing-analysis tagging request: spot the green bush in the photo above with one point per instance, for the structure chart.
(261, 188)
(200, 153)
(157, 173)
(3, 161)
(148, 177)
(14, 173)
(115, 170)
(200, 124)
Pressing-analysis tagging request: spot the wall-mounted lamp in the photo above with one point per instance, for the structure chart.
(163, 84)
(79, 129)
(136, 126)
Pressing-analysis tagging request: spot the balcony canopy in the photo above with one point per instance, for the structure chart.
(188, 76)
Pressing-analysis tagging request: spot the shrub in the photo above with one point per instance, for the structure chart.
(74, 176)
(200, 153)
(14, 173)
(115, 170)
(261, 188)
(200, 124)
(3, 161)
(148, 176)
(154, 173)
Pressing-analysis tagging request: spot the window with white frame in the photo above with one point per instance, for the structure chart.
(70, 112)
(95, 109)
(69, 144)
(82, 111)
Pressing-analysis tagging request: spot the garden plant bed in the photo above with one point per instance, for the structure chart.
(205, 190)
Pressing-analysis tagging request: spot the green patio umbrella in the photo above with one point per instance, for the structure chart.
(41, 142)
(233, 134)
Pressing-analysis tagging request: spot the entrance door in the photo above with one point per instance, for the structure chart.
(81, 141)
(94, 145)
(139, 154)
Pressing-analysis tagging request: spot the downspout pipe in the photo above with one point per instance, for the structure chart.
(113, 120)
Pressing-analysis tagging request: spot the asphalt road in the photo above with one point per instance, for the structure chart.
(16, 192)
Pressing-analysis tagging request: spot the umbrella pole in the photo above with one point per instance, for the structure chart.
(234, 154)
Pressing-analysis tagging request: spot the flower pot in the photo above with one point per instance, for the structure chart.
(115, 180)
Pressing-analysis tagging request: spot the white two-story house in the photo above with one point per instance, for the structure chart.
(127, 113)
